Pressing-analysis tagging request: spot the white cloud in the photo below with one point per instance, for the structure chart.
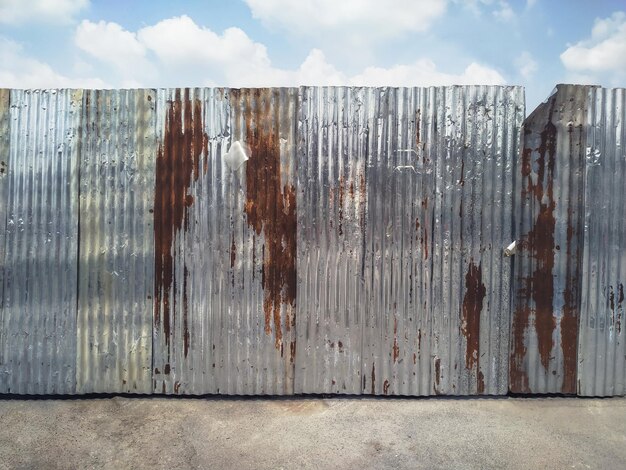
(364, 19)
(424, 72)
(526, 65)
(20, 71)
(54, 11)
(179, 52)
(111, 44)
(530, 3)
(603, 55)
(504, 12)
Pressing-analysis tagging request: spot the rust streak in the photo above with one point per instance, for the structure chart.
(373, 379)
(472, 307)
(481, 383)
(341, 191)
(270, 207)
(386, 387)
(396, 348)
(177, 166)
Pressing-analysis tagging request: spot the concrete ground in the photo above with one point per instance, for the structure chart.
(344, 433)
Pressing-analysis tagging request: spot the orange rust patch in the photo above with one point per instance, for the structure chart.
(270, 207)
(470, 312)
(177, 166)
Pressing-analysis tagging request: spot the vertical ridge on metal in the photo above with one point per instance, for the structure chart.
(116, 249)
(549, 229)
(602, 339)
(38, 341)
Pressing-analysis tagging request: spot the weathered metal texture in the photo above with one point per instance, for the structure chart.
(116, 249)
(334, 134)
(225, 242)
(602, 340)
(405, 205)
(549, 230)
(5, 100)
(39, 295)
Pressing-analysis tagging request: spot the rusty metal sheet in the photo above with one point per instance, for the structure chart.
(225, 242)
(438, 314)
(116, 249)
(38, 349)
(548, 263)
(405, 206)
(602, 340)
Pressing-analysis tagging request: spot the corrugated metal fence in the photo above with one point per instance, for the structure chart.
(359, 249)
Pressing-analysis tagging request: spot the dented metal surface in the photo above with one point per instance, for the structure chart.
(548, 263)
(116, 247)
(602, 339)
(39, 295)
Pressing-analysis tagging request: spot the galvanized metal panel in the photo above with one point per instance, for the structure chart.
(5, 118)
(116, 249)
(38, 350)
(548, 265)
(439, 312)
(332, 210)
(225, 280)
(601, 346)
(405, 206)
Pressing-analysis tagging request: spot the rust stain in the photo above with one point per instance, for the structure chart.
(539, 244)
(373, 378)
(437, 375)
(517, 371)
(470, 312)
(177, 166)
(270, 207)
(176, 387)
(414, 358)
(481, 383)
(386, 387)
(341, 191)
(292, 351)
(396, 348)
(233, 251)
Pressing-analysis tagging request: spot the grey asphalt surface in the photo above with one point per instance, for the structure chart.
(343, 433)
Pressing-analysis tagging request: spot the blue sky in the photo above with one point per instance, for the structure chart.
(158, 43)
